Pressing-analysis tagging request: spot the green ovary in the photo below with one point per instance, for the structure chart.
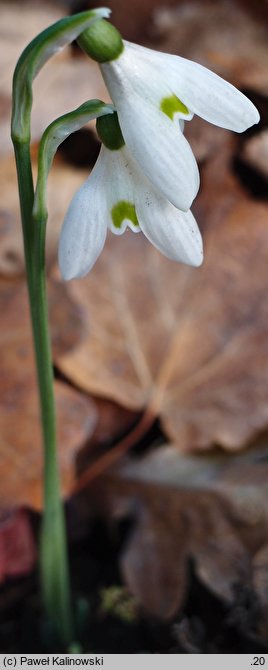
(172, 105)
(124, 210)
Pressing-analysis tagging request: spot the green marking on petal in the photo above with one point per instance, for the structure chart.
(124, 210)
(172, 105)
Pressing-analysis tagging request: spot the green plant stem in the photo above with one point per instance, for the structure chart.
(54, 562)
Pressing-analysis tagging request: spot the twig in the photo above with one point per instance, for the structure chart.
(112, 456)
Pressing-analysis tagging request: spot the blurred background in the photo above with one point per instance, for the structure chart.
(161, 370)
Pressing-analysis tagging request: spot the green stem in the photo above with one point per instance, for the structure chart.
(54, 562)
(26, 194)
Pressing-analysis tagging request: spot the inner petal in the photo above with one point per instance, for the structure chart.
(123, 213)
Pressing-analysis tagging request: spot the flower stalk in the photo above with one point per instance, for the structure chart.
(54, 568)
(55, 580)
(54, 575)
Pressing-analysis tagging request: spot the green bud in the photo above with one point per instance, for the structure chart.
(101, 41)
(53, 136)
(109, 131)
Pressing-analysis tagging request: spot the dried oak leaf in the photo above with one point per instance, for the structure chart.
(209, 510)
(188, 345)
(20, 444)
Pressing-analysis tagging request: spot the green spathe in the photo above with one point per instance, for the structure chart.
(36, 54)
(53, 136)
(124, 210)
(172, 105)
(101, 41)
(109, 132)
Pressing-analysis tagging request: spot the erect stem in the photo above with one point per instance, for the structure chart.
(53, 553)
(26, 195)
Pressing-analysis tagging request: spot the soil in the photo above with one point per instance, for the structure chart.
(204, 626)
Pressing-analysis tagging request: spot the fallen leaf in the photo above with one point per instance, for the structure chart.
(232, 43)
(114, 421)
(133, 19)
(20, 446)
(188, 345)
(17, 545)
(209, 510)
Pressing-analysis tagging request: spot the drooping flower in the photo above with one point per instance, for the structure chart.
(117, 195)
(146, 176)
(150, 90)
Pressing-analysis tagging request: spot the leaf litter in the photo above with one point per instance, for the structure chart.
(209, 511)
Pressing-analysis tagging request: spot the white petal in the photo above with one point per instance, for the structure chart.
(85, 226)
(134, 72)
(172, 232)
(119, 189)
(156, 142)
(201, 90)
(211, 97)
(161, 150)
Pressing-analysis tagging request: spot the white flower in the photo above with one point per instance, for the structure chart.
(148, 88)
(149, 182)
(117, 195)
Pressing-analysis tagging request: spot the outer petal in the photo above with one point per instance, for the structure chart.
(156, 142)
(202, 91)
(173, 232)
(85, 226)
(135, 71)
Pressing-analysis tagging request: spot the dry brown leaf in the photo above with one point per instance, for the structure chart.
(210, 510)
(139, 19)
(63, 182)
(224, 37)
(134, 19)
(114, 421)
(190, 345)
(20, 445)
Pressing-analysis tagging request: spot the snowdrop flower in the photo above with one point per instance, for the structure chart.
(117, 195)
(150, 90)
